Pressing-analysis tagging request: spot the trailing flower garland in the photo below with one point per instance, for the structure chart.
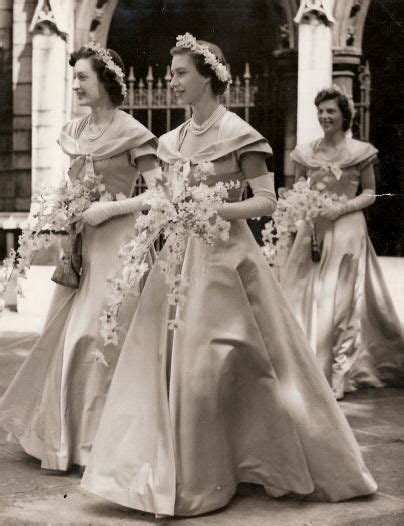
(302, 202)
(56, 210)
(178, 210)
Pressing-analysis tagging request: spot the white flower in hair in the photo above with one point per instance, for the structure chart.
(188, 41)
(343, 91)
(104, 55)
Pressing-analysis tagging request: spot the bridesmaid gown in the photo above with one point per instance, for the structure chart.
(53, 405)
(342, 302)
(234, 395)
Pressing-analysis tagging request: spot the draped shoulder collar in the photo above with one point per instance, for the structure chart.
(234, 134)
(130, 134)
(358, 151)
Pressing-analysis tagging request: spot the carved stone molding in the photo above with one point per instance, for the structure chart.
(93, 18)
(314, 12)
(284, 32)
(99, 11)
(49, 18)
(348, 30)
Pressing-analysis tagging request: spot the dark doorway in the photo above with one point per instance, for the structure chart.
(143, 32)
(383, 45)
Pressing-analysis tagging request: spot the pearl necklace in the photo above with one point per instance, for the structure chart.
(93, 136)
(197, 129)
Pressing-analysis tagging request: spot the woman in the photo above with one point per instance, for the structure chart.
(342, 301)
(54, 403)
(234, 395)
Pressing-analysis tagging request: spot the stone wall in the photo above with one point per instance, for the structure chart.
(23, 11)
(6, 107)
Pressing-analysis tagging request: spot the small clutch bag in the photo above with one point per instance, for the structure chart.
(315, 248)
(69, 268)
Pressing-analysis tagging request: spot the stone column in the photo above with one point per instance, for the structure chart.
(50, 103)
(314, 62)
(48, 107)
(345, 67)
(51, 94)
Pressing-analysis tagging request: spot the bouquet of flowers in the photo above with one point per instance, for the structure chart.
(178, 209)
(53, 211)
(302, 202)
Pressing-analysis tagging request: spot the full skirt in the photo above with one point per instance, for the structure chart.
(344, 306)
(53, 405)
(233, 395)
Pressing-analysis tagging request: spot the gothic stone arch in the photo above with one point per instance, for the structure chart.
(93, 21)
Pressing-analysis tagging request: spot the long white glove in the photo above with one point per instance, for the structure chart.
(263, 202)
(101, 211)
(363, 200)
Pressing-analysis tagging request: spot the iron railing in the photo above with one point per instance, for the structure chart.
(155, 95)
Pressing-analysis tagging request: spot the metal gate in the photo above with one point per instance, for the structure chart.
(152, 96)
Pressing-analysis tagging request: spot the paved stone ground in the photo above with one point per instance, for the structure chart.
(31, 496)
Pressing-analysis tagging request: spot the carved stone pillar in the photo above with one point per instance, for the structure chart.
(345, 66)
(347, 40)
(51, 89)
(347, 53)
(314, 62)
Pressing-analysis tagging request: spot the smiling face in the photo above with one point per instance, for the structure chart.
(187, 82)
(88, 88)
(330, 117)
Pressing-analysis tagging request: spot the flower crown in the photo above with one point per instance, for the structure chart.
(104, 55)
(189, 42)
(341, 90)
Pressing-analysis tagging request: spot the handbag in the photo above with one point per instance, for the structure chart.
(315, 247)
(70, 265)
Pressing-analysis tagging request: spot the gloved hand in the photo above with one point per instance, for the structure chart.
(101, 211)
(363, 200)
(333, 212)
(263, 202)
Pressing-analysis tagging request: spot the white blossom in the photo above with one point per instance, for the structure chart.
(188, 41)
(302, 202)
(179, 210)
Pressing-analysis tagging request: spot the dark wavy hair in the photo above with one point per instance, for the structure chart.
(105, 75)
(218, 86)
(342, 102)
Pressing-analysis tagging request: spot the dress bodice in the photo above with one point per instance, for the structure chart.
(341, 177)
(113, 155)
(234, 138)
(119, 173)
(347, 182)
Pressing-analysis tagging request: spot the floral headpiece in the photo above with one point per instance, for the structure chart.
(341, 90)
(189, 42)
(104, 55)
